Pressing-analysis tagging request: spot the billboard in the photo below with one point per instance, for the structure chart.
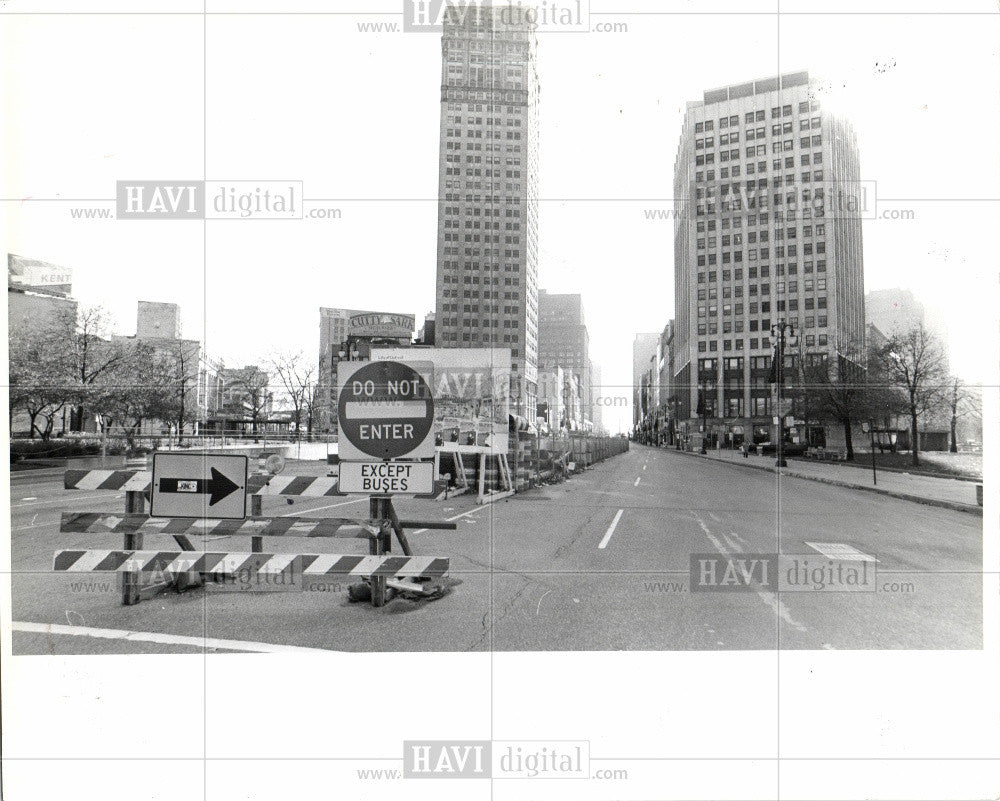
(38, 276)
(377, 324)
(471, 390)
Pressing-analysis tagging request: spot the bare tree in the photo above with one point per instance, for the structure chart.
(252, 396)
(297, 378)
(139, 386)
(914, 361)
(836, 390)
(40, 364)
(963, 402)
(182, 364)
(94, 355)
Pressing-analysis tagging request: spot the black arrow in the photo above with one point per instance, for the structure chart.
(217, 487)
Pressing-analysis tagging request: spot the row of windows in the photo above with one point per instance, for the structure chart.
(486, 338)
(489, 108)
(730, 293)
(753, 134)
(764, 218)
(455, 158)
(765, 271)
(474, 294)
(728, 345)
(493, 279)
(734, 364)
(450, 144)
(481, 133)
(510, 200)
(756, 116)
(780, 252)
(476, 172)
(456, 119)
(732, 205)
(758, 150)
(454, 237)
(475, 211)
(729, 326)
(474, 323)
(760, 167)
(477, 224)
(808, 231)
(754, 184)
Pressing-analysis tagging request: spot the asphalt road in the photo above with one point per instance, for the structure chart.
(600, 562)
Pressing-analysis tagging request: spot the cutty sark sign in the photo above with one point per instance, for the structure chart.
(383, 325)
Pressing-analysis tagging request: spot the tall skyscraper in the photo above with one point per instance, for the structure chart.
(487, 256)
(768, 230)
(563, 342)
(643, 351)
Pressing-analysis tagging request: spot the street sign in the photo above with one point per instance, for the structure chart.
(384, 411)
(199, 485)
(387, 477)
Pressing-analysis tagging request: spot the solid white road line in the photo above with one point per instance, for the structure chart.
(637, 481)
(611, 529)
(210, 643)
(319, 508)
(453, 518)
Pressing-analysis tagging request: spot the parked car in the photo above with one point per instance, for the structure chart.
(787, 448)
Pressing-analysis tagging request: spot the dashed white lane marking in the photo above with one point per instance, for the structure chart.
(539, 607)
(839, 551)
(209, 643)
(738, 538)
(31, 498)
(637, 481)
(644, 467)
(35, 525)
(611, 529)
(768, 598)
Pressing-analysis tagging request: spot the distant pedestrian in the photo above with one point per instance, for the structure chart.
(746, 450)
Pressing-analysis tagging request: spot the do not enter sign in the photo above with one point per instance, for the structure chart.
(384, 410)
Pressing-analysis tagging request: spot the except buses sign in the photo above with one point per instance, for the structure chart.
(384, 411)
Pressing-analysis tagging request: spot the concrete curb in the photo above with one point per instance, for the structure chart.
(957, 507)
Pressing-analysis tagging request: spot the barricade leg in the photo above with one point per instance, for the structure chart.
(135, 503)
(256, 510)
(380, 543)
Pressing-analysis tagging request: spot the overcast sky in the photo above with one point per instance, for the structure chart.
(355, 117)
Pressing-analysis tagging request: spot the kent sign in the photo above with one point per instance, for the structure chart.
(384, 411)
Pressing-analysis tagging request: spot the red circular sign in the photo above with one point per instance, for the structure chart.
(385, 410)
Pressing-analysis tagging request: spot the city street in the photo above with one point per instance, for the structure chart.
(600, 562)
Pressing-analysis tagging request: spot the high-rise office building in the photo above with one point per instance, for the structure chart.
(768, 231)
(487, 254)
(643, 351)
(563, 342)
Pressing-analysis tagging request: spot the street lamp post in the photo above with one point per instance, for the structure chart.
(782, 334)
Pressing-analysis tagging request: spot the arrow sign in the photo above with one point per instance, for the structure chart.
(217, 487)
(181, 490)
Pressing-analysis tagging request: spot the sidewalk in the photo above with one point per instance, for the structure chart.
(946, 492)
